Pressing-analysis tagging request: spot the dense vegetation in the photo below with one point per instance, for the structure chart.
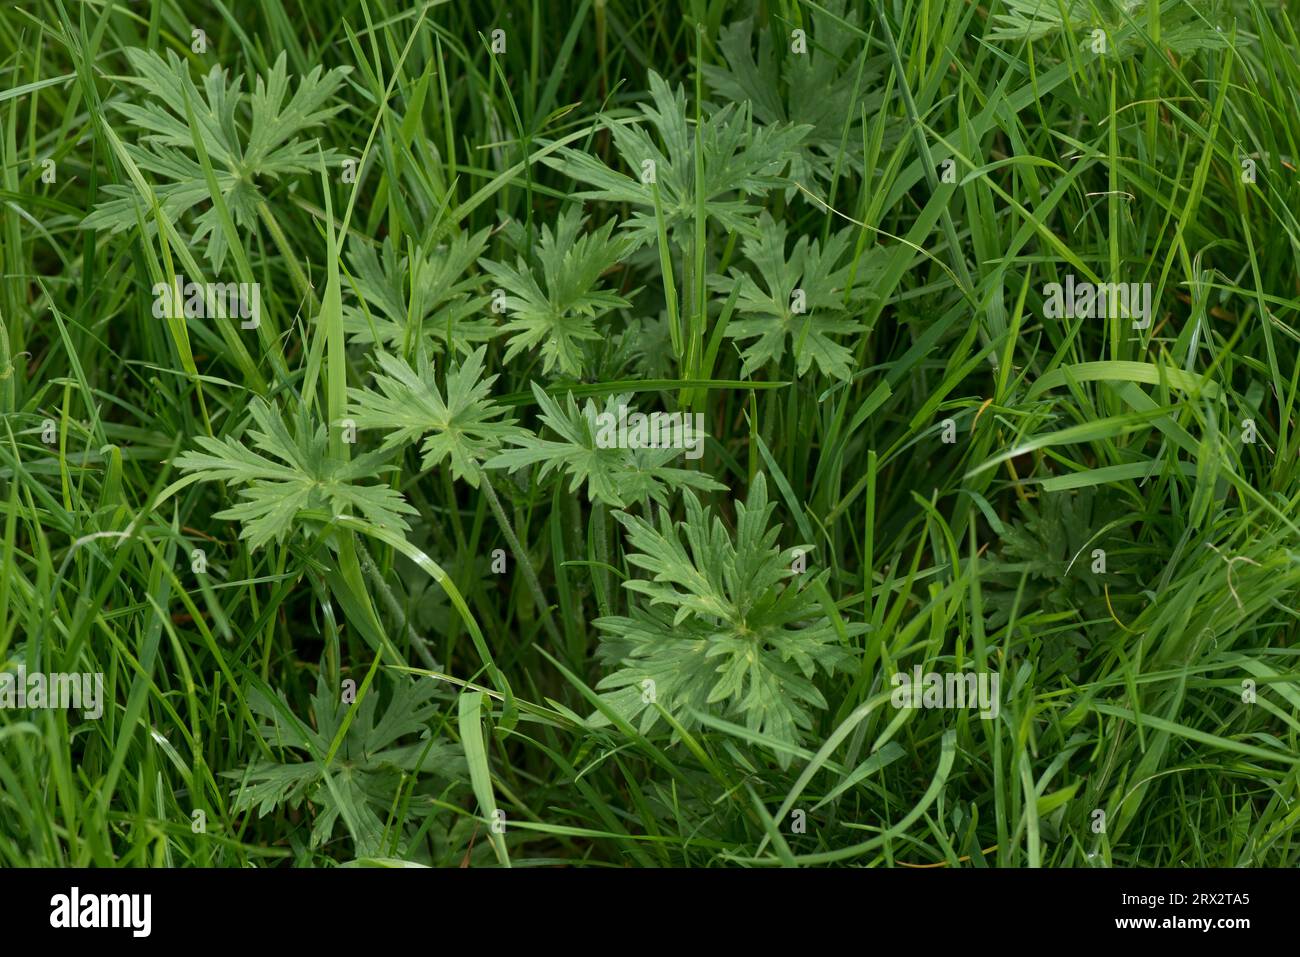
(324, 328)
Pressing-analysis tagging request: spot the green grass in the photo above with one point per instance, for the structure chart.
(425, 607)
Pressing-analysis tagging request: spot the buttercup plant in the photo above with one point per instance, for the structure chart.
(369, 761)
(426, 297)
(635, 390)
(830, 87)
(555, 306)
(244, 164)
(306, 477)
(717, 165)
(725, 626)
(617, 476)
(799, 302)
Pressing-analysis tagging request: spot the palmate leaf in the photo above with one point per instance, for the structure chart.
(426, 295)
(305, 476)
(553, 304)
(1034, 19)
(766, 309)
(367, 770)
(272, 148)
(815, 88)
(1044, 562)
(649, 340)
(740, 159)
(725, 627)
(1183, 30)
(616, 476)
(462, 422)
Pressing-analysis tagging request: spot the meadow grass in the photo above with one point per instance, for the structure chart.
(342, 569)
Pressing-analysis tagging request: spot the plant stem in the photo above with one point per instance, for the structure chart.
(394, 607)
(601, 534)
(530, 575)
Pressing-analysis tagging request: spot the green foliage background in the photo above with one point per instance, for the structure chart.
(364, 586)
